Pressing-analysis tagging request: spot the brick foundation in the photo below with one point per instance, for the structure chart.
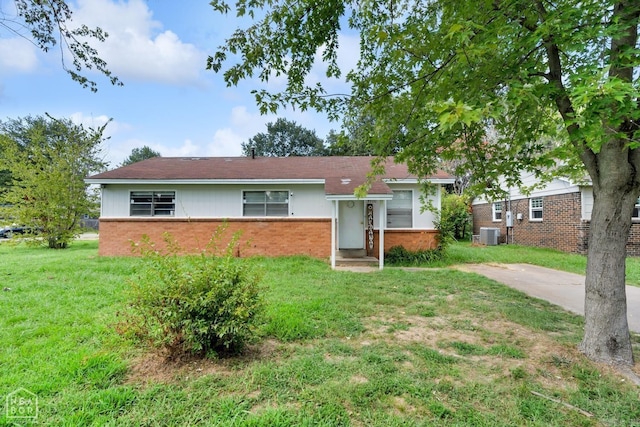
(562, 227)
(413, 240)
(272, 237)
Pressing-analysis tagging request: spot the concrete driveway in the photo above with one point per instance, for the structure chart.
(557, 287)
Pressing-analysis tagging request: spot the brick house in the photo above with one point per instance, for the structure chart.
(283, 206)
(555, 216)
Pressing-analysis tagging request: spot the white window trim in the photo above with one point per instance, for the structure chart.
(175, 198)
(289, 194)
(532, 209)
(493, 212)
(636, 208)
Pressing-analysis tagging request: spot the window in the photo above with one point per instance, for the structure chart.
(400, 210)
(535, 209)
(153, 203)
(636, 210)
(497, 211)
(265, 203)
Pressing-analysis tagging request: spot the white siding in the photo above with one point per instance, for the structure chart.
(218, 201)
(553, 187)
(421, 220)
(225, 201)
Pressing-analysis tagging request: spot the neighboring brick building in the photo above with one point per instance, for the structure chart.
(556, 216)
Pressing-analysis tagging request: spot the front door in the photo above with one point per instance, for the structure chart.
(351, 224)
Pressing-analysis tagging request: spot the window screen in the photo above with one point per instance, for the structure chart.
(152, 203)
(400, 210)
(265, 203)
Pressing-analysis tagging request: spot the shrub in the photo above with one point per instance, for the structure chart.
(399, 255)
(193, 304)
(455, 217)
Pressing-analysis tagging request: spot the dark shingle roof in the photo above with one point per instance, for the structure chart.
(341, 174)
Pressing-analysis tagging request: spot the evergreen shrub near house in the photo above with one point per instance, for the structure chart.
(193, 304)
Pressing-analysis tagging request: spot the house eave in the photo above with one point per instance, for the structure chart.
(341, 197)
(202, 181)
(417, 181)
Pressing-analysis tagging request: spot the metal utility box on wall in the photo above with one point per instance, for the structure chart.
(489, 236)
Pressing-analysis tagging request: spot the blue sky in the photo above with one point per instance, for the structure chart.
(169, 101)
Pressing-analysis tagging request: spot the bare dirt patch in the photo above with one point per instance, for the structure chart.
(544, 358)
(156, 368)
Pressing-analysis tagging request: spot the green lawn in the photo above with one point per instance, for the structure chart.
(391, 348)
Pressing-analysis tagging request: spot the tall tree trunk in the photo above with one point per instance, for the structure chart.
(606, 335)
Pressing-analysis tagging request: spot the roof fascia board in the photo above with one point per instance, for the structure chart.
(417, 181)
(203, 181)
(353, 197)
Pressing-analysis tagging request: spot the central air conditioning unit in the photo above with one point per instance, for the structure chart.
(489, 236)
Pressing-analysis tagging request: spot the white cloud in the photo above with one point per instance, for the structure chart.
(243, 125)
(226, 142)
(17, 55)
(137, 48)
(187, 149)
(91, 121)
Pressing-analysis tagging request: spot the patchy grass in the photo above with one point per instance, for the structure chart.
(391, 348)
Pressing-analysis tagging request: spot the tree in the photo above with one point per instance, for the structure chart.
(284, 138)
(343, 144)
(139, 154)
(353, 140)
(49, 23)
(49, 159)
(435, 70)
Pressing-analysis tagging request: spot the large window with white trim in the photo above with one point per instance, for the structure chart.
(496, 211)
(152, 203)
(535, 209)
(636, 209)
(265, 203)
(400, 209)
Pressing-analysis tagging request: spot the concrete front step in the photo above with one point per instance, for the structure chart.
(351, 253)
(365, 261)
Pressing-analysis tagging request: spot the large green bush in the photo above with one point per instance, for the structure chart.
(193, 304)
(455, 218)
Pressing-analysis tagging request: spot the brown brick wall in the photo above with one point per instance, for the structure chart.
(273, 237)
(562, 227)
(412, 240)
(633, 243)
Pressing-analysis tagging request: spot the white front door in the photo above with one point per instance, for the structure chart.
(351, 224)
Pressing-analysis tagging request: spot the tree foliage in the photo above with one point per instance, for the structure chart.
(139, 154)
(558, 81)
(49, 23)
(48, 160)
(284, 138)
(455, 216)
